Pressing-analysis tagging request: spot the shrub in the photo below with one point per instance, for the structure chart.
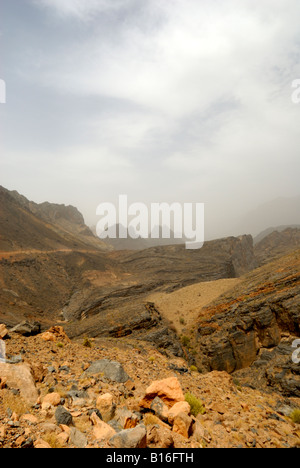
(295, 416)
(182, 321)
(87, 342)
(193, 369)
(185, 340)
(196, 405)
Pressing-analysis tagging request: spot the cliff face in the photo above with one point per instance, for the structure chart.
(277, 244)
(254, 324)
(25, 224)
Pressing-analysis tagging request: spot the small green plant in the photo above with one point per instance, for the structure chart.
(151, 359)
(193, 369)
(196, 405)
(87, 342)
(295, 416)
(185, 340)
(182, 321)
(60, 345)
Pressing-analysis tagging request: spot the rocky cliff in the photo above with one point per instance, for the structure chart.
(254, 325)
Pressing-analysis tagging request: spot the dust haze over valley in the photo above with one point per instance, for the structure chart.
(166, 102)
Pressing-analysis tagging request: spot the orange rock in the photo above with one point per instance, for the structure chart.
(168, 390)
(19, 376)
(105, 404)
(41, 444)
(52, 399)
(101, 430)
(29, 418)
(182, 424)
(3, 331)
(181, 407)
(55, 334)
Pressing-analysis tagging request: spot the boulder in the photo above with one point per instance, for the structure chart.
(181, 407)
(159, 437)
(52, 399)
(55, 334)
(19, 377)
(111, 370)
(63, 416)
(160, 409)
(27, 328)
(130, 439)
(101, 430)
(168, 390)
(77, 438)
(182, 424)
(105, 404)
(3, 331)
(126, 418)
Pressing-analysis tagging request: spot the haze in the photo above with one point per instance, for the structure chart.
(165, 101)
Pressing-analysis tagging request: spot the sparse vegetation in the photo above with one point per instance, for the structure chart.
(295, 416)
(15, 403)
(87, 342)
(60, 344)
(182, 321)
(52, 439)
(185, 340)
(193, 369)
(196, 405)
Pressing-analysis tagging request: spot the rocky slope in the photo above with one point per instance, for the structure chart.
(277, 244)
(253, 327)
(26, 225)
(124, 394)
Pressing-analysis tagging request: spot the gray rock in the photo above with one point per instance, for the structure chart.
(112, 370)
(63, 416)
(130, 438)
(14, 359)
(27, 328)
(77, 438)
(115, 425)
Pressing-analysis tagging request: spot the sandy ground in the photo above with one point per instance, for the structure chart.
(183, 306)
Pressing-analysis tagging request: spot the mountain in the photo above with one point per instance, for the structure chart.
(270, 230)
(279, 212)
(140, 243)
(277, 244)
(26, 225)
(250, 329)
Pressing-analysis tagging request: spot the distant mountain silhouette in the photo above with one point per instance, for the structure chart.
(141, 243)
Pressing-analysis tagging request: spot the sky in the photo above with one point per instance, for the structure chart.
(161, 100)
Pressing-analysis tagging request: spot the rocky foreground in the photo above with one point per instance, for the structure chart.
(108, 393)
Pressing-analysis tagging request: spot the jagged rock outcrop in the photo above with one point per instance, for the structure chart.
(28, 225)
(246, 326)
(276, 244)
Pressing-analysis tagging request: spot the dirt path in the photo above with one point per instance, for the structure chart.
(17, 253)
(183, 306)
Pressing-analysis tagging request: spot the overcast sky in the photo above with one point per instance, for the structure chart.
(162, 100)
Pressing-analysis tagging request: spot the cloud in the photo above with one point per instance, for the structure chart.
(81, 9)
(179, 98)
